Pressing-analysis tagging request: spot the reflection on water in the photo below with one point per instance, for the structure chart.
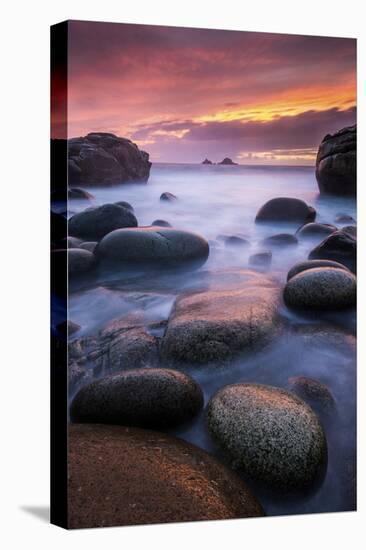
(216, 200)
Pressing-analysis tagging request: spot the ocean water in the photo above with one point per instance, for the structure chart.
(224, 200)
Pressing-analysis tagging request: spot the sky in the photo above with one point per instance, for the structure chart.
(186, 94)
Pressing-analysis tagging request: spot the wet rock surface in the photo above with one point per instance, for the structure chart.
(313, 392)
(168, 197)
(336, 163)
(147, 398)
(270, 434)
(313, 229)
(282, 239)
(129, 476)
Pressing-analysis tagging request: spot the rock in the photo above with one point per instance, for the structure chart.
(154, 246)
(161, 223)
(321, 288)
(168, 197)
(70, 242)
(146, 398)
(233, 240)
(89, 245)
(214, 326)
(80, 261)
(340, 247)
(311, 264)
(261, 259)
(206, 161)
(350, 230)
(286, 209)
(344, 218)
(310, 230)
(77, 193)
(76, 375)
(336, 163)
(129, 476)
(124, 343)
(67, 328)
(228, 161)
(125, 204)
(282, 239)
(102, 158)
(94, 223)
(272, 435)
(313, 392)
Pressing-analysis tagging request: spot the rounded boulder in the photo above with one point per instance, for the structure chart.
(321, 288)
(155, 246)
(311, 264)
(113, 469)
(272, 435)
(147, 397)
(94, 223)
(286, 209)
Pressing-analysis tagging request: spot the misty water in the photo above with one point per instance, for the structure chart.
(223, 200)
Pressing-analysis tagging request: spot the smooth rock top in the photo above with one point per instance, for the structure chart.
(93, 223)
(79, 261)
(336, 163)
(313, 392)
(313, 229)
(269, 433)
(282, 239)
(311, 264)
(156, 246)
(168, 197)
(340, 246)
(286, 209)
(214, 326)
(321, 288)
(147, 398)
(129, 476)
(103, 158)
(77, 193)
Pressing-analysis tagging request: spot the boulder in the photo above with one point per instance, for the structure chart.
(161, 223)
(103, 158)
(77, 193)
(344, 218)
(129, 476)
(340, 247)
(94, 223)
(70, 242)
(89, 245)
(261, 259)
(125, 204)
(316, 394)
(311, 264)
(313, 229)
(154, 246)
(168, 197)
(214, 326)
(269, 433)
(80, 261)
(321, 288)
(207, 161)
(335, 167)
(282, 239)
(350, 230)
(233, 240)
(122, 344)
(146, 398)
(286, 209)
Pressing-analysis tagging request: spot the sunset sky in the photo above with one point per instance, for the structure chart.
(187, 94)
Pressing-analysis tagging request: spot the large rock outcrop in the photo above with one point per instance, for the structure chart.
(336, 162)
(103, 158)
